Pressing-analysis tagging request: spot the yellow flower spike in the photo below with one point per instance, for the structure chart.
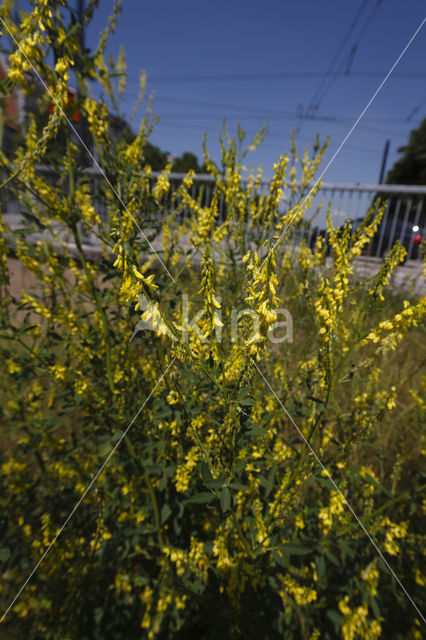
(162, 186)
(138, 274)
(149, 282)
(189, 179)
(216, 302)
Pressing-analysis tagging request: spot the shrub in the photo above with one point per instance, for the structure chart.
(192, 484)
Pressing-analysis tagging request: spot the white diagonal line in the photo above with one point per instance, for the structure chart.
(80, 500)
(95, 477)
(361, 115)
(361, 524)
(95, 162)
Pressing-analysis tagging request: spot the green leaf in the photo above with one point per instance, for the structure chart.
(238, 486)
(208, 547)
(271, 478)
(348, 551)
(320, 567)
(242, 397)
(199, 498)
(336, 618)
(170, 470)
(4, 554)
(165, 512)
(332, 557)
(369, 478)
(282, 561)
(98, 614)
(291, 549)
(247, 402)
(239, 466)
(153, 468)
(105, 449)
(265, 483)
(225, 499)
(375, 608)
(257, 431)
(215, 483)
(205, 472)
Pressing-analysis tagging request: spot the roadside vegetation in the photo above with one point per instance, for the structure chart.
(231, 459)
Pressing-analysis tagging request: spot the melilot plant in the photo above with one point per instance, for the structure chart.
(212, 517)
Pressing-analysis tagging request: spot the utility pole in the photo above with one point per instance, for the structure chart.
(80, 12)
(384, 160)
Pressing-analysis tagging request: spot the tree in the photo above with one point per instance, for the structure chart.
(411, 167)
(156, 158)
(186, 162)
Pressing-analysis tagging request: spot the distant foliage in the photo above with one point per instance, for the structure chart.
(410, 168)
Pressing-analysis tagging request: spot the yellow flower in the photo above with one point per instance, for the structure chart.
(162, 185)
(183, 472)
(335, 507)
(302, 595)
(12, 366)
(61, 66)
(173, 397)
(393, 533)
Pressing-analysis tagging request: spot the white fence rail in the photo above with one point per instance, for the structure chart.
(404, 218)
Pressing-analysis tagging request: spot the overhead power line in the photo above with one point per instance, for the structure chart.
(263, 112)
(346, 62)
(254, 113)
(338, 121)
(315, 98)
(284, 75)
(415, 110)
(170, 125)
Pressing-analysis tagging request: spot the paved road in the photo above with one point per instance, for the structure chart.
(408, 277)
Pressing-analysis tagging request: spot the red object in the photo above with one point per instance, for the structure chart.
(9, 104)
(71, 111)
(417, 238)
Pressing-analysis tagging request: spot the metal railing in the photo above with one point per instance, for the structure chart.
(404, 217)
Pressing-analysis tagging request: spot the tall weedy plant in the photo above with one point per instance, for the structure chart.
(206, 442)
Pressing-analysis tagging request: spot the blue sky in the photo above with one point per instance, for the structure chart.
(207, 61)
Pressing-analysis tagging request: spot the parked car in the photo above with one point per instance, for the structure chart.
(389, 231)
